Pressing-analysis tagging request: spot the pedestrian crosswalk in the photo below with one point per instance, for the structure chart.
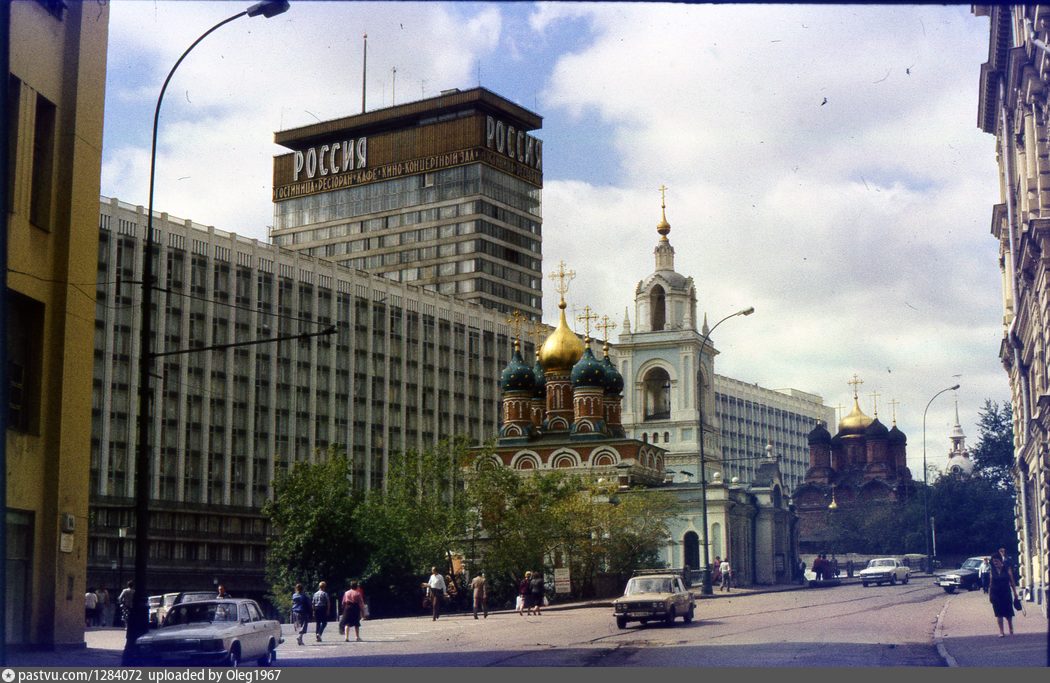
(373, 632)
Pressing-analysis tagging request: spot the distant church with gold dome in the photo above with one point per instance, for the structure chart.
(863, 464)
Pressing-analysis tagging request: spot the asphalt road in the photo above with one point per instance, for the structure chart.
(847, 626)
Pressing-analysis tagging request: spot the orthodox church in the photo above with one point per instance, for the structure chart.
(572, 410)
(864, 463)
(959, 462)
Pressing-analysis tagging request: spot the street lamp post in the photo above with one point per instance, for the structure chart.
(925, 504)
(139, 618)
(706, 589)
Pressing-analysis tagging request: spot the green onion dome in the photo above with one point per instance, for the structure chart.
(876, 430)
(539, 389)
(517, 376)
(588, 371)
(819, 434)
(896, 436)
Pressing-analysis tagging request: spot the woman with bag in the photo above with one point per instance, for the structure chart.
(536, 589)
(523, 593)
(1002, 593)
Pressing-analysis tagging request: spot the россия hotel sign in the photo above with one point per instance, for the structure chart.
(345, 163)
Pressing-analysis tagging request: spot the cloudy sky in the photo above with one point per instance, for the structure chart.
(823, 163)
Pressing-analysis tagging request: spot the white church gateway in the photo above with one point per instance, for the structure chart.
(669, 378)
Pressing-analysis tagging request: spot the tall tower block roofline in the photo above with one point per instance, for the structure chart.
(451, 103)
(444, 193)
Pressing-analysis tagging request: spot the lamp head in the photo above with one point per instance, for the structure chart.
(268, 8)
(747, 311)
(955, 387)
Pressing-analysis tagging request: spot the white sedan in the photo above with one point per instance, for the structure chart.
(884, 570)
(225, 632)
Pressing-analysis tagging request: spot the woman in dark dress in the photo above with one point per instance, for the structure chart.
(1001, 593)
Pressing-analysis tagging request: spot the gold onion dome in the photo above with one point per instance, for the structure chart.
(856, 422)
(663, 227)
(562, 348)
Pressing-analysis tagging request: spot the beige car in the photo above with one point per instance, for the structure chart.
(654, 597)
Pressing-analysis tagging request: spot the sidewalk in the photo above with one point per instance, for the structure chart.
(966, 634)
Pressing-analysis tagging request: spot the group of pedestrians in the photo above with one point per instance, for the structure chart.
(531, 594)
(723, 574)
(321, 606)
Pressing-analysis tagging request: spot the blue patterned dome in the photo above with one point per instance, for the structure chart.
(588, 371)
(517, 376)
(613, 378)
(539, 389)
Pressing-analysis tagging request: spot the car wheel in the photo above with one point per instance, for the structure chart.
(669, 619)
(644, 621)
(905, 579)
(893, 579)
(270, 658)
(621, 622)
(949, 589)
(864, 583)
(234, 658)
(688, 615)
(972, 587)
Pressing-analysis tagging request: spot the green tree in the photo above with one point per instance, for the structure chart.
(417, 522)
(993, 456)
(973, 515)
(312, 521)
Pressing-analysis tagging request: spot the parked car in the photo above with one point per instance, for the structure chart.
(652, 597)
(194, 596)
(884, 570)
(966, 576)
(159, 606)
(211, 632)
(813, 582)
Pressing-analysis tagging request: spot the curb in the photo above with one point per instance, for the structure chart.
(938, 637)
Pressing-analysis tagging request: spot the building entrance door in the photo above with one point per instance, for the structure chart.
(18, 591)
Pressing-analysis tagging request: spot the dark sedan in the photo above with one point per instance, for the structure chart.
(966, 576)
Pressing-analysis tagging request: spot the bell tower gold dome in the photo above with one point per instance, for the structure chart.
(563, 348)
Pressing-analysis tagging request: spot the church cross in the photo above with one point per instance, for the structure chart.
(605, 325)
(875, 402)
(663, 196)
(893, 406)
(855, 382)
(537, 330)
(586, 318)
(562, 277)
(516, 320)
(838, 408)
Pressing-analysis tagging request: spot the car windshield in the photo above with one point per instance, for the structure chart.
(881, 563)
(635, 586)
(201, 613)
(972, 563)
(155, 600)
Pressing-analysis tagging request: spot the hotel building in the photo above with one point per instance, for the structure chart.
(405, 367)
(443, 193)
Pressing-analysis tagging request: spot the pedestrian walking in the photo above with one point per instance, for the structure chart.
(436, 588)
(983, 571)
(536, 592)
(353, 607)
(300, 612)
(1002, 592)
(523, 592)
(102, 610)
(726, 572)
(125, 601)
(90, 608)
(480, 588)
(321, 604)
(716, 572)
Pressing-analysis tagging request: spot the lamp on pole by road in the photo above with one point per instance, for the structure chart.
(925, 505)
(706, 589)
(139, 619)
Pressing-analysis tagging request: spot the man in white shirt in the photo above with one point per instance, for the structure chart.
(436, 586)
(725, 570)
(90, 604)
